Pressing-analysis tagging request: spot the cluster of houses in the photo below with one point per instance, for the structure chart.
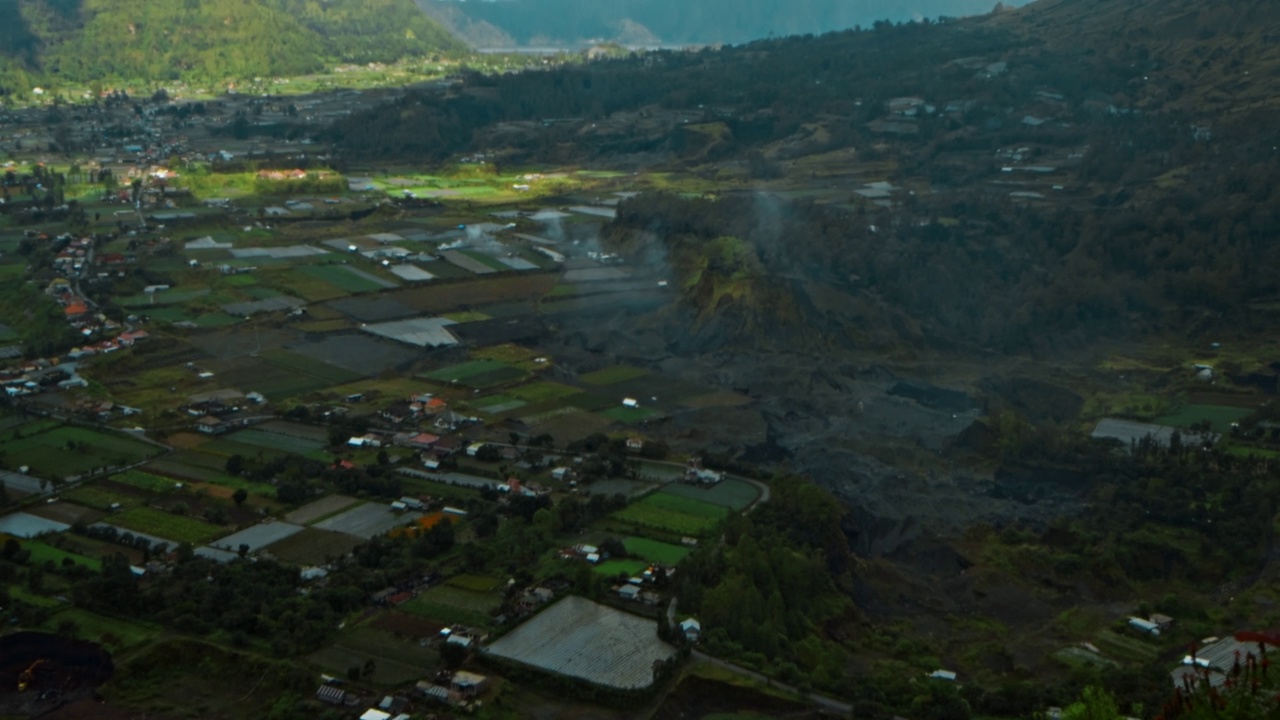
(641, 588)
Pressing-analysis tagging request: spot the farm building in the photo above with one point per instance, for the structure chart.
(1214, 659)
(586, 640)
(211, 425)
(468, 684)
(692, 630)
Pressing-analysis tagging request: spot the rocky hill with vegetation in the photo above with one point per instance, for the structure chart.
(113, 43)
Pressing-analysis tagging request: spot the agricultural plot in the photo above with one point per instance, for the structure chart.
(464, 371)
(71, 451)
(497, 404)
(267, 439)
(655, 551)
(631, 415)
(258, 536)
(613, 375)
(541, 392)
(42, 553)
(582, 639)
(1218, 416)
(313, 546)
(475, 583)
(674, 514)
(462, 597)
(101, 496)
(445, 298)
(347, 279)
(367, 521)
(614, 568)
(115, 633)
(145, 481)
(174, 528)
(361, 354)
(66, 512)
(320, 509)
(305, 365)
(446, 614)
(733, 494)
(396, 661)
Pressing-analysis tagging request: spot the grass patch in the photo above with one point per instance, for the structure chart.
(42, 553)
(66, 451)
(167, 525)
(145, 481)
(475, 583)
(115, 633)
(464, 371)
(655, 551)
(613, 375)
(308, 366)
(540, 392)
(733, 494)
(100, 498)
(340, 276)
(613, 568)
(1219, 417)
(631, 415)
(445, 614)
(677, 515)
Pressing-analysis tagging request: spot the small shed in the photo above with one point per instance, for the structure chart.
(375, 714)
(692, 630)
(469, 684)
(629, 592)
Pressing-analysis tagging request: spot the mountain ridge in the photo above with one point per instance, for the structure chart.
(208, 41)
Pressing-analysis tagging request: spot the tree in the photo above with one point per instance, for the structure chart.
(240, 495)
(235, 464)
(453, 655)
(11, 548)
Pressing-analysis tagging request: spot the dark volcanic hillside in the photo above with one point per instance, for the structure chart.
(138, 40)
(1045, 180)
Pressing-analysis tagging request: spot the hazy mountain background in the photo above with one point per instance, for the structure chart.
(494, 23)
(202, 40)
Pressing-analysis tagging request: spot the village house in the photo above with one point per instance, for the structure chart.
(211, 425)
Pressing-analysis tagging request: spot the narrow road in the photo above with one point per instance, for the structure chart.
(828, 704)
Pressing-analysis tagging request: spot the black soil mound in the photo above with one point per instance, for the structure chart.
(40, 671)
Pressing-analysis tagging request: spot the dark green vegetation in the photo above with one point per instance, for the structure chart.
(116, 42)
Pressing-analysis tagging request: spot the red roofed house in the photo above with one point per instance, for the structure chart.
(76, 308)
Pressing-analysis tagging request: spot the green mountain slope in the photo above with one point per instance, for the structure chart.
(205, 40)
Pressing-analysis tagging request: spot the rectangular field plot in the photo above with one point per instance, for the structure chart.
(67, 451)
(102, 496)
(655, 551)
(1218, 416)
(405, 660)
(309, 366)
(452, 606)
(313, 547)
(733, 494)
(476, 373)
(267, 439)
(145, 481)
(258, 536)
(673, 514)
(613, 375)
(347, 278)
(613, 568)
(320, 509)
(582, 639)
(175, 528)
(367, 521)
